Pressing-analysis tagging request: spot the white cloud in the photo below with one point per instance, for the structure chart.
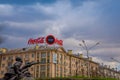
(35, 25)
(70, 42)
(6, 10)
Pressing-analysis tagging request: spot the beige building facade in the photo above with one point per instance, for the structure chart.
(55, 62)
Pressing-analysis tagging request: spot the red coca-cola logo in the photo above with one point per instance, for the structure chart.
(50, 40)
(36, 41)
(59, 42)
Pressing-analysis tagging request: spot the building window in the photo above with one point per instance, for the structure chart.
(26, 56)
(42, 67)
(3, 65)
(9, 64)
(42, 75)
(10, 58)
(4, 58)
(48, 75)
(54, 58)
(36, 74)
(48, 57)
(16, 56)
(60, 56)
(43, 60)
(31, 69)
(56, 69)
(60, 59)
(37, 69)
(61, 71)
(43, 55)
(2, 72)
(48, 60)
(48, 67)
(48, 54)
(37, 55)
(32, 55)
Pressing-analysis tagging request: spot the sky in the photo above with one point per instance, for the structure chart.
(70, 20)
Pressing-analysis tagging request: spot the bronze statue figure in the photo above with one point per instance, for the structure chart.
(19, 72)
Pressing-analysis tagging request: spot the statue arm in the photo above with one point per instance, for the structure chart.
(29, 65)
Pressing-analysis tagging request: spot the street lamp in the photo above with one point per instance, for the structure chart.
(87, 49)
(84, 46)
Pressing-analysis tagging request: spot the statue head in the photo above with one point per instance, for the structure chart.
(19, 59)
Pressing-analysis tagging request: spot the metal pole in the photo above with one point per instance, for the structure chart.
(84, 46)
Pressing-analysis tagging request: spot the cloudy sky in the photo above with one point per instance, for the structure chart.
(70, 20)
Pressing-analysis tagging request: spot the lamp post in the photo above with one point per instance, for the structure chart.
(87, 49)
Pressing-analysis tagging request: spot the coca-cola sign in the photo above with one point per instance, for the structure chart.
(50, 40)
(36, 41)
